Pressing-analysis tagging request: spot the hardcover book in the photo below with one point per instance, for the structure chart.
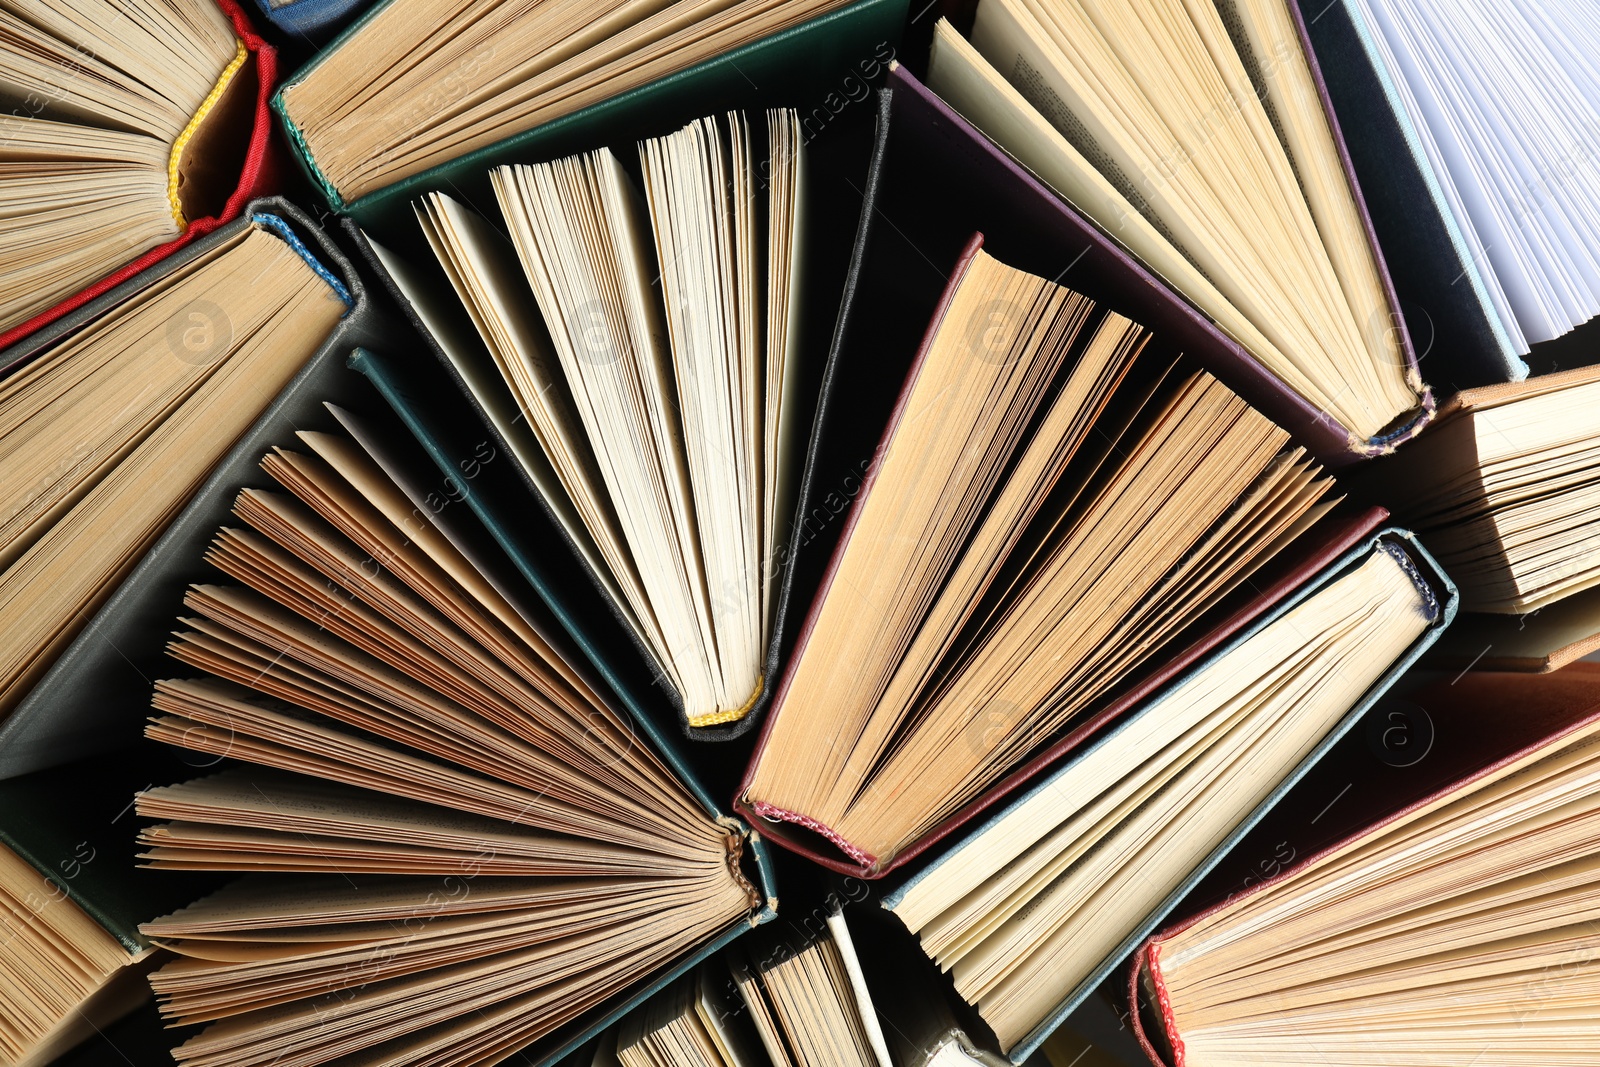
(1439, 906)
(517, 861)
(958, 615)
(71, 898)
(495, 347)
(115, 415)
(140, 129)
(1199, 139)
(1036, 907)
(504, 87)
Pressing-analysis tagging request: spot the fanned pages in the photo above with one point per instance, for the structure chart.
(1501, 101)
(1032, 907)
(656, 377)
(1194, 135)
(106, 432)
(1049, 506)
(1458, 924)
(109, 153)
(370, 112)
(455, 845)
(846, 987)
(695, 1022)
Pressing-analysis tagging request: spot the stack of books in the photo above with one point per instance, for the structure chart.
(799, 533)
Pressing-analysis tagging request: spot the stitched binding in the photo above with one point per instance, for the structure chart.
(1385, 443)
(768, 811)
(1402, 557)
(717, 718)
(223, 81)
(1164, 1003)
(282, 229)
(736, 832)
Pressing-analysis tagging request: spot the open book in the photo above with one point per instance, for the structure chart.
(453, 846)
(111, 423)
(642, 365)
(1195, 136)
(137, 127)
(1452, 921)
(1498, 103)
(1050, 503)
(1036, 907)
(418, 83)
(826, 993)
(1504, 488)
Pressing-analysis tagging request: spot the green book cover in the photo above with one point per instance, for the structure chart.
(823, 66)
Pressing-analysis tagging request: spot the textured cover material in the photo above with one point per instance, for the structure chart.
(979, 187)
(896, 283)
(841, 136)
(257, 177)
(1472, 736)
(829, 54)
(1458, 333)
(95, 697)
(310, 17)
(1389, 539)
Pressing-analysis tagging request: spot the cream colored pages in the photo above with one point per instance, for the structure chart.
(1192, 147)
(1030, 907)
(655, 364)
(1142, 496)
(971, 85)
(784, 436)
(515, 65)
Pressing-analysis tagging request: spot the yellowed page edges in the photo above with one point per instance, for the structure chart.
(717, 718)
(239, 56)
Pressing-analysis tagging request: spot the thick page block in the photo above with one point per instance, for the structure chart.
(842, 135)
(1443, 594)
(259, 175)
(95, 697)
(829, 54)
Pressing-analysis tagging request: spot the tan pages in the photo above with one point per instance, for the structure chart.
(104, 155)
(1505, 491)
(371, 110)
(698, 1021)
(452, 844)
(1026, 910)
(641, 358)
(64, 975)
(807, 999)
(1194, 135)
(105, 435)
(1459, 927)
(1051, 507)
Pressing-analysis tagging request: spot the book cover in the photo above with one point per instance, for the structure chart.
(258, 176)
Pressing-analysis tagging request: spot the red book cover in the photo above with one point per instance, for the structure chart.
(257, 177)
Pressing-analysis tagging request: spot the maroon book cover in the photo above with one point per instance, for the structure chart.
(917, 224)
(1474, 735)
